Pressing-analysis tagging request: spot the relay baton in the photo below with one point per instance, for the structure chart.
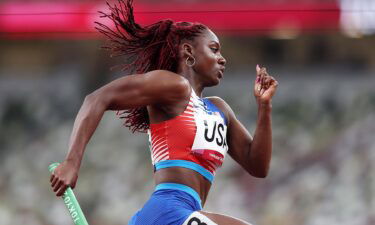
(71, 202)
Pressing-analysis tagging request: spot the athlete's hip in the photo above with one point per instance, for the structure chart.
(170, 203)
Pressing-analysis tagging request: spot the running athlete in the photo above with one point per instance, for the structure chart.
(189, 135)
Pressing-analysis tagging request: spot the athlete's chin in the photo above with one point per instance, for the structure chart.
(218, 78)
(214, 82)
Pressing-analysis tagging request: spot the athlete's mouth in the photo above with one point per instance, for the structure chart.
(221, 72)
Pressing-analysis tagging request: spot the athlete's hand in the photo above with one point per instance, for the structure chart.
(265, 86)
(64, 176)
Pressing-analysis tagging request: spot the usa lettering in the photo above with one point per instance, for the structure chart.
(210, 136)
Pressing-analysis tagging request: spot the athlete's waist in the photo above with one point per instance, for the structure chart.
(181, 187)
(184, 176)
(185, 164)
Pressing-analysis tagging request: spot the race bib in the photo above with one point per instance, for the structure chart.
(197, 218)
(210, 139)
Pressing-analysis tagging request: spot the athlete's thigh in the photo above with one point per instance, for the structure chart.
(207, 218)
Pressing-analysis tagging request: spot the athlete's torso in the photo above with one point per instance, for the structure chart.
(197, 138)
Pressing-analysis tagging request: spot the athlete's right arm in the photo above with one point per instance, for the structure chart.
(152, 88)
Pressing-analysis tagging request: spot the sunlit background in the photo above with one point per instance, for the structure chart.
(322, 52)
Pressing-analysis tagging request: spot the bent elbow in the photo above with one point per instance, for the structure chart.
(95, 100)
(89, 98)
(258, 173)
(261, 175)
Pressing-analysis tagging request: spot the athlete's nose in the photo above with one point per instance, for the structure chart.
(222, 61)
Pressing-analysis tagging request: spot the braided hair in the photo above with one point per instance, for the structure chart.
(147, 48)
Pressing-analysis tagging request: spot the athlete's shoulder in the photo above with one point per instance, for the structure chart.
(165, 75)
(222, 105)
(170, 81)
(219, 102)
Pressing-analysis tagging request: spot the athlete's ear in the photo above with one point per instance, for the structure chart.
(186, 50)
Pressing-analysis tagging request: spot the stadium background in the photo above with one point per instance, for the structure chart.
(321, 52)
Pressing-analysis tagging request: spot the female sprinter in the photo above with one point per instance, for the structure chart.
(189, 135)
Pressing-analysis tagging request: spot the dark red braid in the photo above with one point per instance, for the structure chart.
(147, 48)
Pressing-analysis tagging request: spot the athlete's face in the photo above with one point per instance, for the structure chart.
(209, 63)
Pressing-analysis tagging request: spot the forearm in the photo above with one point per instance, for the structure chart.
(85, 124)
(261, 146)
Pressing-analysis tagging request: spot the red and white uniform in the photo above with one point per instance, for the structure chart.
(198, 136)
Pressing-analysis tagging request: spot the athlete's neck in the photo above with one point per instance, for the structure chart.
(193, 79)
(196, 85)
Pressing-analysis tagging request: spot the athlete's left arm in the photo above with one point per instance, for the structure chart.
(253, 153)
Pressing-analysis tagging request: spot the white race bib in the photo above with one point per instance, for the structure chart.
(210, 139)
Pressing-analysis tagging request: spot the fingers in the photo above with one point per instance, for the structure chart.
(261, 79)
(267, 81)
(265, 85)
(61, 190)
(54, 181)
(264, 78)
(73, 185)
(274, 82)
(257, 68)
(260, 70)
(58, 186)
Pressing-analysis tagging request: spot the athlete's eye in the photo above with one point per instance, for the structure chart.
(214, 49)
